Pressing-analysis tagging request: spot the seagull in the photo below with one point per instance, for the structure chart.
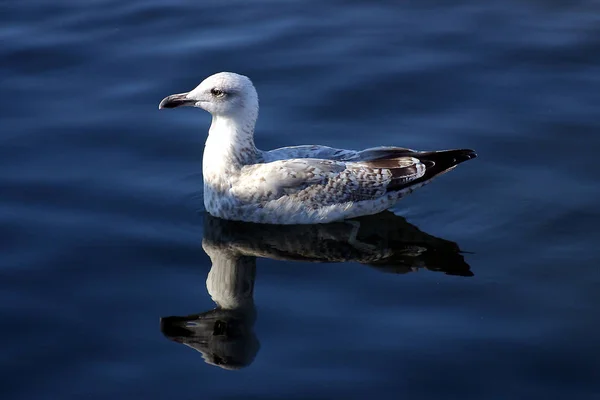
(307, 184)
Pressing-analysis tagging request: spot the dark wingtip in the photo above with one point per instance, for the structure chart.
(439, 162)
(464, 155)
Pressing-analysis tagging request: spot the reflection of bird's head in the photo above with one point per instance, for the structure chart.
(225, 338)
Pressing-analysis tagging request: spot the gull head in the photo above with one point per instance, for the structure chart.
(223, 94)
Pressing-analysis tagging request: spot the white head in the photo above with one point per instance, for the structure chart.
(225, 94)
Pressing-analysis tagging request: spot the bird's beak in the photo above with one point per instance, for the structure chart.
(176, 100)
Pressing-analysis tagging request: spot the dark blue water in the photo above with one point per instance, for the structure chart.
(103, 265)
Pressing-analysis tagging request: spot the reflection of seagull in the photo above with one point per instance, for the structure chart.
(225, 335)
(301, 184)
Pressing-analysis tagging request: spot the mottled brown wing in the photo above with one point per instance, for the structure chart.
(323, 182)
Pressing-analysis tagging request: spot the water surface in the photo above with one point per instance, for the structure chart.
(104, 232)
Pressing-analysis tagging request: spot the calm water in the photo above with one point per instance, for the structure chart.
(105, 243)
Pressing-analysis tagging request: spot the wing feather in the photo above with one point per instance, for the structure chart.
(323, 182)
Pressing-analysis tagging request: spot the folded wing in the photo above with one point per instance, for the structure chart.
(325, 182)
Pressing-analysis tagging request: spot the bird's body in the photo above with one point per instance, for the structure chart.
(300, 184)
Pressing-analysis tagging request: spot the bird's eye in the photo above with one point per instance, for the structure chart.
(217, 92)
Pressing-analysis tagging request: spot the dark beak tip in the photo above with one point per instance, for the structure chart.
(164, 103)
(175, 100)
(167, 102)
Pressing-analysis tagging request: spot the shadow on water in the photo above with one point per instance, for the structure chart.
(225, 335)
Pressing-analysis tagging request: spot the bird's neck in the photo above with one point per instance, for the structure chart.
(230, 145)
